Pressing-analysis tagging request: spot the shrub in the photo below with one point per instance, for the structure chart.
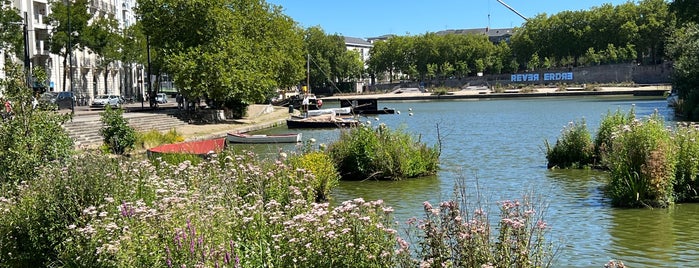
(321, 167)
(687, 173)
(231, 210)
(117, 134)
(146, 140)
(611, 123)
(642, 164)
(381, 153)
(32, 137)
(573, 149)
(458, 234)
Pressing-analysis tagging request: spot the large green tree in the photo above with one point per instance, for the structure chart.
(330, 61)
(11, 34)
(68, 31)
(102, 37)
(683, 48)
(229, 51)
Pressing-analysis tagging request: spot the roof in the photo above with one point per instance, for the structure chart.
(357, 42)
(486, 31)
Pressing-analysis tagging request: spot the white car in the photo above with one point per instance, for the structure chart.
(102, 101)
(161, 98)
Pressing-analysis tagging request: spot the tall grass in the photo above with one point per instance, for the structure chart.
(231, 210)
(573, 149)
(381, 153)
(642, 164)
(687, 172)
(459, 233)
(610, 124)
(150, 139)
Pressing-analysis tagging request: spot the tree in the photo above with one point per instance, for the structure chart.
(32, 137)
(685, 10)
(229, 51)
(683, 48)
(64, 33)
(102, 37)
(11, 34)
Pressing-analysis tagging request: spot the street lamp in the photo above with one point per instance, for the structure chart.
(70, 62)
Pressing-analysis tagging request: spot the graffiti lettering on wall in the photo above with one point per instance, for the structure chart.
(568, 76)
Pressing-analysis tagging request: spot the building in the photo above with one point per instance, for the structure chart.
(494, 35)
(83, 73)
(362, 47)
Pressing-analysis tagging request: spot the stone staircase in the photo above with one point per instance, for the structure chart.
(85, 133)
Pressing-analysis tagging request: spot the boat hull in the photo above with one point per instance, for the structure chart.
(321, 123)
(247, 138)
(202, 148)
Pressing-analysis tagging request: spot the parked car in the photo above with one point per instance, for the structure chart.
(161, 98)
(102, 101)
(57, 100)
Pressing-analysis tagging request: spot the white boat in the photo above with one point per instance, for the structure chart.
(337, 111)
(261, 138)
(673, 99)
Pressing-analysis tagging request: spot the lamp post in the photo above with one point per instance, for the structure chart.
(70, 60)
(27, 63)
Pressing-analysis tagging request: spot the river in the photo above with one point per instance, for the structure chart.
(498, 145)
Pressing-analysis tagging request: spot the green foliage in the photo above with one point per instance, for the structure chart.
(687, 172)
(32, 137)
(573, 149)
(367, 153)
(233, 210)
(118, 135)
(460, 233)
(611, 124)
(11, 36)
(641, 161)
(224, 49)
(684, 49)
(603, 34)
(322, 168)
(145, 140)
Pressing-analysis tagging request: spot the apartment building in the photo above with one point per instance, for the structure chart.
(83, 73)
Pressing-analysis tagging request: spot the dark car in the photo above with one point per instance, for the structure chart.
(57, 100)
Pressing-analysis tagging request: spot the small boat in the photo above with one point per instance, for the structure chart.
(321, 121)
(365, 106)
(337, 111)
(275, 138)
(202, 148)
(673, 99)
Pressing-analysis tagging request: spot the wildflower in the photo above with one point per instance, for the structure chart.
(427, 205)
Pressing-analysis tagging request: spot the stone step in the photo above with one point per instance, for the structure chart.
(86, 133)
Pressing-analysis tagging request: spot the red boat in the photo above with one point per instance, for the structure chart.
(203, 147)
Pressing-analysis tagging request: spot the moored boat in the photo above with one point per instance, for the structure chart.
(202, 147)
(337, 111)
(321, 121)
(262, 138)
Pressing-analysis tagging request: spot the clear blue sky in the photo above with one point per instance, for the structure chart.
(372, 18)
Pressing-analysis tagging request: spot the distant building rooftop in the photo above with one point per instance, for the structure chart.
(357, 42)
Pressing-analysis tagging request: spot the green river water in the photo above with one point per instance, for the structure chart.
(498, 144)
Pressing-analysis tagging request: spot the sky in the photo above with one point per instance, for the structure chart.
(373, 18)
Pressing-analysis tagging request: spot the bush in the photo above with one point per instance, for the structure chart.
(611, 123)
(380, 153)
(573, 149)
(321, 167)
(687, 173)
(231, 210)
(458, 234)
(118, 135)
(153, 138)
(32, 137)
(642, 163)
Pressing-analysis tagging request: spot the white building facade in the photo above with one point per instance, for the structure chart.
(89, 78)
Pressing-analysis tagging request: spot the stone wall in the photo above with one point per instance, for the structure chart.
(614, 73)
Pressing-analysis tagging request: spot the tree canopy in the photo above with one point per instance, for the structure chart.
(224, 50)
(11, 34)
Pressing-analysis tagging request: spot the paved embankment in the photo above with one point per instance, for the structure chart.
(399, 94)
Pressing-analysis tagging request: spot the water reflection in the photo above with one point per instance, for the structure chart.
(498, 144)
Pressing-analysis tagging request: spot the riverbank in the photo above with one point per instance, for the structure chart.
(485, 93)
(258, 118)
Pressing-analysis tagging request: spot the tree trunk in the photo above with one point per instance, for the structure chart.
(65, 74)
